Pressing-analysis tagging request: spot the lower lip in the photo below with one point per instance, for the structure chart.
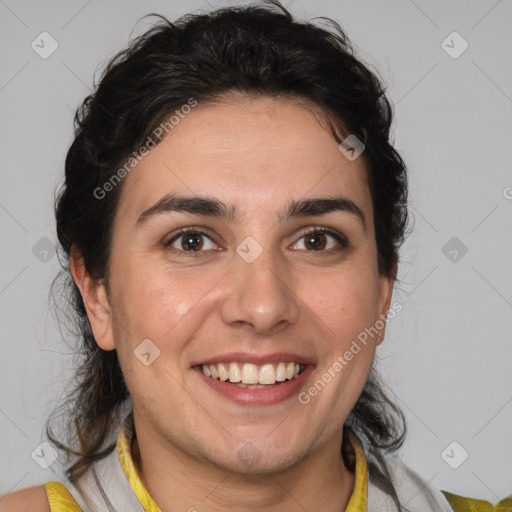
(259, 396)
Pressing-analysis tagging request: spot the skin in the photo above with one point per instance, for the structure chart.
(259, 154)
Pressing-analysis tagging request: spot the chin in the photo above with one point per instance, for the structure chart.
(249, 460)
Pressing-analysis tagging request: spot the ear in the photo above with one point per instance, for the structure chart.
(96, 302)
(384, 300)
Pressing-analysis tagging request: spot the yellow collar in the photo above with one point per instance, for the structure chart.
(357, 502)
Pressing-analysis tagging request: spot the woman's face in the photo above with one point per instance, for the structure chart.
(255, 289)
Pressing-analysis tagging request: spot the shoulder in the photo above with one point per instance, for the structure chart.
(34, 499)
(420, 495)
(464, 504)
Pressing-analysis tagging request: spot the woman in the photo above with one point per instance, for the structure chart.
(231, 219)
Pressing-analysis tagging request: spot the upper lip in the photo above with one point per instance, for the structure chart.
(245, 357)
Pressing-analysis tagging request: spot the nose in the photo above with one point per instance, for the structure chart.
(260, 296)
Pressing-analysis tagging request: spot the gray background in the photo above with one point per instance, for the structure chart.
(447, 355)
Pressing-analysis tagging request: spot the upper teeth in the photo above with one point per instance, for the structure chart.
(248, 373)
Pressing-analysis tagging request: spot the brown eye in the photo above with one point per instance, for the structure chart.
(189, 240)
(317, 240)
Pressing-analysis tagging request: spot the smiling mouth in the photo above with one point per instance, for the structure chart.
(253, 376)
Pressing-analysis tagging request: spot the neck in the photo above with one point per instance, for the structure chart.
(177, 482)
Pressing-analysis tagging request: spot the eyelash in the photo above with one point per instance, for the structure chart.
(341, 239)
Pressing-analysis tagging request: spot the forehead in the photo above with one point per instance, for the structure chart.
(258, 152)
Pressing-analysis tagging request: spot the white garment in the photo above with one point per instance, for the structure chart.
(415, 494)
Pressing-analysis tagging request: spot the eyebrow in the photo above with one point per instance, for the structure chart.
(211, 207)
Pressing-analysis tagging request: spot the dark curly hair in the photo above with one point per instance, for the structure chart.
(257, 50)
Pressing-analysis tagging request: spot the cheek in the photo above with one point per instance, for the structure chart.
(156, 297)
(153, 390)
(345, 302)
(350, 313)
(166, 307)
(135, 378)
